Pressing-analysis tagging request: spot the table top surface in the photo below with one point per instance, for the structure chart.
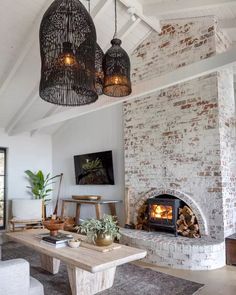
(93, 201)
(84, 258)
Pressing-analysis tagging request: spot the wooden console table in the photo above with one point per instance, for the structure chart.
(96, 203)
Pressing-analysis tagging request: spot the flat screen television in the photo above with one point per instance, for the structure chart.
(96, 168)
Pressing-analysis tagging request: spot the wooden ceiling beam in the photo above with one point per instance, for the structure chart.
(153, 8)
(34, 95)
(152, 22)
(52, 110)
(128, 28)
(141, 89)
(99, 8)
(125, 31)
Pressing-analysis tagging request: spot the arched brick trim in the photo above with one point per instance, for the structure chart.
(182, 196)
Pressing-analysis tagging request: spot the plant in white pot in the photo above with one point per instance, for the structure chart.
(101, 231)
(40, 185)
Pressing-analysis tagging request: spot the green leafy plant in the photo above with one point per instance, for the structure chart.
(93, 227)
(95, 164)
(40, 184)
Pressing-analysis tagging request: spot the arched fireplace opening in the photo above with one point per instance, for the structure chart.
(170, 214)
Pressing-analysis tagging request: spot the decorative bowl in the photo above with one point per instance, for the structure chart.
(74, 243)
(54, 226)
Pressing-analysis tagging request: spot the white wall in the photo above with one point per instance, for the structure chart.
(95, 132)
(25, 152)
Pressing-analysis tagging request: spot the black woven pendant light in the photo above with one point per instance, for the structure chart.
(99, 74)
(67, 46)
(116, 67)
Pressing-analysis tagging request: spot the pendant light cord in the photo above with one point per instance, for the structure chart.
(115, 34)
(116, 19)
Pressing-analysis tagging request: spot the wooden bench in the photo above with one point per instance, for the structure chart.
(17, 224)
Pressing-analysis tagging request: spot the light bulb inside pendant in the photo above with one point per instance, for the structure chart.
(67, 58)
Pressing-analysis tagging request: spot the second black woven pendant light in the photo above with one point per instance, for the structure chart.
(99, 74)
(116, 67)
(67, 46)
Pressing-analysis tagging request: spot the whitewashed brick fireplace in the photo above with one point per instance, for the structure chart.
(181, 141)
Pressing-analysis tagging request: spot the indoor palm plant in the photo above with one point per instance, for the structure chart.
(40, 184)
(101, 231)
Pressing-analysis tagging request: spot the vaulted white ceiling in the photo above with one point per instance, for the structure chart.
(20, 104)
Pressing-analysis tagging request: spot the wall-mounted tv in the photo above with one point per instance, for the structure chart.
(96, 168)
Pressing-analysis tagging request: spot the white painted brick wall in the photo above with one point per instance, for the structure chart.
(187, 130)
(177, 129)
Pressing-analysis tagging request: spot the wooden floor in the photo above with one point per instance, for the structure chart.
(217, 282)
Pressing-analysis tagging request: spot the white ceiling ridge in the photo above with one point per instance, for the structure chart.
(51, 111)
(152, 22)
(143, 88)
(24, 50)
(153, 8)
(34, 95)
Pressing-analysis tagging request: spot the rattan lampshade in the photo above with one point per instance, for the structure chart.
(67, 46)
(116, 66)
(99, 74)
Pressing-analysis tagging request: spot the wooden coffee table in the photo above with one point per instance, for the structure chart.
(89, 271)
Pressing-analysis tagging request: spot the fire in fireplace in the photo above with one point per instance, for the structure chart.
(163, 213)
(167, 213)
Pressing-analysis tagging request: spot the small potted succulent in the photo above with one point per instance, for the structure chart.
(101, 232)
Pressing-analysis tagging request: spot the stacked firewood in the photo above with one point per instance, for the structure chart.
(187, 224)
(142, 218)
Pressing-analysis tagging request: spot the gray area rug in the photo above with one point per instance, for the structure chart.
(130, 279)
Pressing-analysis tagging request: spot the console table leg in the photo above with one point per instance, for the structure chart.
(98, 211)
(112, 207)
(83, 282)
(77, 215)
(50, 264)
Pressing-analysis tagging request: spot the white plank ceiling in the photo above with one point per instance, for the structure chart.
(19, 48)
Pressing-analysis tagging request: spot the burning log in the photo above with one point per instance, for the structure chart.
(187, 224)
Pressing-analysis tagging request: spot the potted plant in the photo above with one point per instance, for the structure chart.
(40, 186)
(101, 231)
